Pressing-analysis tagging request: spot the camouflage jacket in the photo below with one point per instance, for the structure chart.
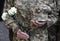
(27, 10)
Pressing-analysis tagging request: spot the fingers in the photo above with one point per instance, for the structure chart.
(22, 35)
(38, 23)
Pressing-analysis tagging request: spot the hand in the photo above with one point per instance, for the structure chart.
(38, 23)
(49, 20)
(22, 35)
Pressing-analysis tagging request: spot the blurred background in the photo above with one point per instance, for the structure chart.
(4, 32)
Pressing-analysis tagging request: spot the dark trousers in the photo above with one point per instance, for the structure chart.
(4, 32)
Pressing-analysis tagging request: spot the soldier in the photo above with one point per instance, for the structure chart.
(29, 16)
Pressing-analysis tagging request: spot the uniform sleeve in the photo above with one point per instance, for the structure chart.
(10, 23)
(8, 20)
(52, 18)
(53, 15)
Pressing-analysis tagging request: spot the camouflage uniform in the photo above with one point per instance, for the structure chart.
(29, 10)
(52, 30)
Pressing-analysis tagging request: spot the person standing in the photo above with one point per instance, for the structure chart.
(29, 19)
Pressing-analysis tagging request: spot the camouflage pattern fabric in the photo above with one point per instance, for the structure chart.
(30, 10)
